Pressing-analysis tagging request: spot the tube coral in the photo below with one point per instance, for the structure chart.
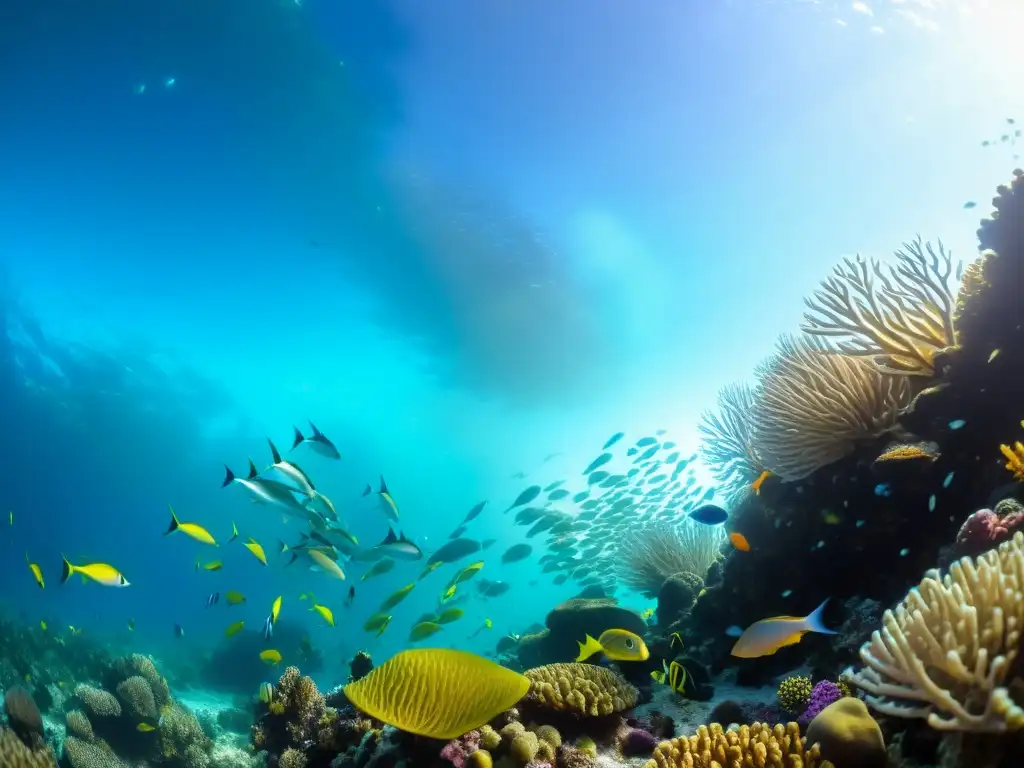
(948, 648)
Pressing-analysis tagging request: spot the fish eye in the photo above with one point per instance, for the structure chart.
(629, 643)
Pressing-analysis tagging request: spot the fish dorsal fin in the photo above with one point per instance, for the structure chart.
(390, 538)
(316, 432)
(383, 487)
(252, 470)
(274, 452)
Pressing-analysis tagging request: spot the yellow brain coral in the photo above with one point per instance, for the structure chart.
(946, 651)
(752, 746)
(580, 689)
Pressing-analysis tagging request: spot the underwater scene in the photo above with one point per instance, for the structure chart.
(563, 384)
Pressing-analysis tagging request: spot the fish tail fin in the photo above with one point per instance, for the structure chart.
(273, 451)
(229, 477)
(588, 648)
(814, 621)
(174, 522)
(253, 472)
(298, 438)
(68, 570)
(367, 490)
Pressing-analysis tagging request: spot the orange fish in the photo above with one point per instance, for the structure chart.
(756, 485)
(739, 541)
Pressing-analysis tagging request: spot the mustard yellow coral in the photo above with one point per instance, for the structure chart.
(751, 746)
(490, 739)
(524, 747)
(14, 754)
(480, 759)
(1014, 459)
(581, 689)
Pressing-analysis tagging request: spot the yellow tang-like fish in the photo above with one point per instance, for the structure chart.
(234, 597)
(396, 597)
(324, 611)
(234, 532)
(253, 546)
(101, 573)
(423, 630)
(145, 728)
(275, 609)
(270, 656)
(37, 572)
(234, 629)
(192, 530)
(615, 644)
(766, 636)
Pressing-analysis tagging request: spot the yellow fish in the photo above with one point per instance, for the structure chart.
(37, 572)
(324, 611)
(377, 621)
(266, 692)
(234, 597)
(647, 614)
(325, 563)
(234, 532)
(449, 593)
(307, 596)
(396, 597)
(275, 609)
(234, 629)
(101, 573)
(42, 625)
(431, 567)
(423, 630)
(192, 530)
(673, 675)
(449, 615)
(766, 636)
(615, 644)
(253, 546)
(213, 565)
(756, 485)
(468, 572)
(270, 656)
(74, 630)
(145, 728)
(675, 641)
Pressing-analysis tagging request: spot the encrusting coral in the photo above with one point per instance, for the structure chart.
(751, 745)
(949, 647)
(584, 690)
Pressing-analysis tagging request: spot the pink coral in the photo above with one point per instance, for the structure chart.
(985, 529)
(457, 750)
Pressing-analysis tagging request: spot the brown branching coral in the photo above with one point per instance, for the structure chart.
(727, 441)
(898, 319)
(815, 406)
(15, 754)
(650, 555)
(137, 697)
(581, 689)
(753, 746)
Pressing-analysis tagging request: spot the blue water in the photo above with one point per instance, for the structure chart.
(458, 237)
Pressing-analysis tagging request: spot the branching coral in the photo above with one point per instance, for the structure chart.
(142, 665)
(137, 697)
(949, 646)
(1014, 459)
(303, 704)
(90, 754)
(899, 320)
(580, 689)
(15, 754)
(97, 701)
(651, 554)
(78, 724)
(751, 745)
(181, 735)
(815, 406)
(727, 441)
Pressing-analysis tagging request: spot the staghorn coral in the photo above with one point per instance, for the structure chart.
(727, 442)
(815, 406)
(899, 322)
(303, 704)
(1014, 459)
(15, 754)
(756, 746)
(90, 754)
(143, 666)
(78, 724)
(650, 555)
(584, 690)
(137, 697)
(949, 646)
(97, 701)
(794, 693)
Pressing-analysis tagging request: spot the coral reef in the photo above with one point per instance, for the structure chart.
(794, 693)
(662, 549)
(756, 744)
(571, 621)
(847, 735)
(727, 442)
(581, 689)
(14, 753)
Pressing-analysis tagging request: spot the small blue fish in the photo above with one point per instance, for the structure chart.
(709, 514)
(883, 489)
(213, 599)
(931, 503)
(734, 631)
(948, 481)
(969, 204)
(178, 631)
(957, 424)
(268, 627)
(904, 552)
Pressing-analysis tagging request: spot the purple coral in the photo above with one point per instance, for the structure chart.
(637, 741)
(823, 694)
(457, 750)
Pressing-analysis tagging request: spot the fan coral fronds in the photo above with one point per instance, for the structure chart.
(727, 442)
(946, 652)
(815, 406)
(651, 554)
(901, 321)
(1014, 459)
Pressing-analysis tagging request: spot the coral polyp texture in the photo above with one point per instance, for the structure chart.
(584, 690)
(757, 745)
(815, 406)
(897, 318)
(947, 652)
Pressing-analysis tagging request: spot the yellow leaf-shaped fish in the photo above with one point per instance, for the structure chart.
(455, 692)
